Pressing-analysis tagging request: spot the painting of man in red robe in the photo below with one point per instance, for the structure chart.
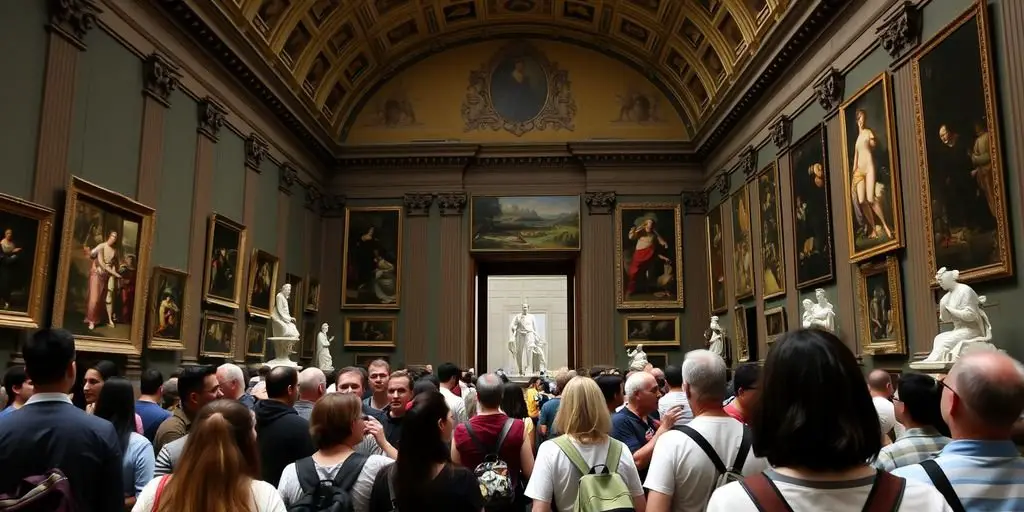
(649, 241)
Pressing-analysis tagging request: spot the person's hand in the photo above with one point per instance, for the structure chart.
(90, 408)
(668, 420)
(374, 428)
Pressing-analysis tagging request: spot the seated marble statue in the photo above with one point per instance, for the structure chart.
(821, 315)
(962, 307)
(283, 322)
(637, 358)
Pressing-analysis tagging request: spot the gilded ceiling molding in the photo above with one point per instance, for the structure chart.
(901, 30)
(452, 203)
(781, 132)
(599, 203)
(211, 118)
(332, 205)
(723, 183)
(313, 199)
(160, 77)
(287, 177)
(748, 161)
(256, 150)
(695, 202)
(72, 19)
(829, 89)
(418, 204)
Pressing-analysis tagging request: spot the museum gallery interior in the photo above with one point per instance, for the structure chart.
(419, 172)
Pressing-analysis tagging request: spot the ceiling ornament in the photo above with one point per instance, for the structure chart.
(781, 132)
(695, 202)
(723, 183)
(748, 161)
(901, 30)
(72, 19)
(256, 150)
(452, 203)
(418, 204)
(829, 89)
(211, 118)
(160, 77)
(286, 178)
(599, 203)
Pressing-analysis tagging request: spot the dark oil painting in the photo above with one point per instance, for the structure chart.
(17, 251)
(658, 360)
(773, 267)
(218, 336)
(880, 321)
(370, 331)
(742, 257)
(653, 330)
(649, 259)
(812, 210)
(255, 340)
(525, 223)
(167, 310)
(372, 257)
(519, 88)
(224, 258)
(262, 283)
(716, 258)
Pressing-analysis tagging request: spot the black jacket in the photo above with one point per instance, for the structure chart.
(283, 437)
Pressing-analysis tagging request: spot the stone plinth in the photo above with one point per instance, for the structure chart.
(282, 351)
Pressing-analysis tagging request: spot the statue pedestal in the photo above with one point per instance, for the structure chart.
(932, 367)
(282, 351)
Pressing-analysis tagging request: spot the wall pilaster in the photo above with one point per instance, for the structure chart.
(255, 153)
(453, 345)
(596, 338)
(416, 277)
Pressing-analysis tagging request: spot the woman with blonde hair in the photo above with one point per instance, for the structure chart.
(584, 420)
(219, 468)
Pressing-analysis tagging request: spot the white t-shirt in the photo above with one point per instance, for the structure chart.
(264, 497)
(291, 489)
(456, 404)
(680, 468)
(672, 399)
(833, 496)
(556, 480)
(886, 414)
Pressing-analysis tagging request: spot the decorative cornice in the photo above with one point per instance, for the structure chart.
(287, 176)
(314, 199)
(748, 161)
(418, 204)
(695, 202)
(332, 205)
(901, 30)
(599, 203)
(211, 118)
(723, 183)
(256, 150)
(829, 89)
(781, 132)
(452, 203)
(160, 77)
(72, 19)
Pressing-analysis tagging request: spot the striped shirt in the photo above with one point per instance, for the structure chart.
(917, 445)
(986, 475)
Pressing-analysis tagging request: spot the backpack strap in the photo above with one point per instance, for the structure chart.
(476, 440)
(765, 495)
(573, 454)
(942, 484)
(305, 471)
(741, 455)
(159, 490)
(611, 460)
(501, 437)
(350, 471)
(886, 493)
(704, 445)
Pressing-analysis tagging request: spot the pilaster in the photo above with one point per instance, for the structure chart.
(249, 207)
(416, 277)
(160, 79)
(596, 338)
(453, 341)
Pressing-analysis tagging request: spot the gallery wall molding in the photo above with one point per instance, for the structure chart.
(599, 203)
(452, 203)
(418, 204)
(211, 118)
(287, 177)
(723, 183)
(901, 31)
(829, 90)
(748, 161)
(312, 198)
(73, 19)
(333, 205)
(695, 202)
(781, 132)
(160, 78)
(256, 150)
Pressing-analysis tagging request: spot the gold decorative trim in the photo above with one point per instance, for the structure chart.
(716, 308)
(216, 317)
(389, 343)
(253, 310)
(740, 337)
(778, 310)
(162, 343)
(228, 302)
(400, 235)
(620, 300)
(653, 318)
(772, 169)
(32, 318)
(898, 344)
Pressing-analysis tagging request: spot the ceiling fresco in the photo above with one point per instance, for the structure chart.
(334, 54)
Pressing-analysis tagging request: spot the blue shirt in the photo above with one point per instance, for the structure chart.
(7, 411)
(986, 475)
(548, 411)
(152, 416)
(137, 465)
(633, 432)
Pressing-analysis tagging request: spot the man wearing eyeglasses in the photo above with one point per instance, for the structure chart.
(916, 403)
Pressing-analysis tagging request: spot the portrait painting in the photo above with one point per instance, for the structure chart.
(372, 256)
(740, 338)
(648, 256)
(370, 331)
(880, 307)
(716, 260)
(525, 223)
(651, 330)
(167, 311)
(959, 146)
(775, 323)
(263, 268)
(26, 229)
(773, 264)
(103, 268)
(312, 294)
(742, 257)
(222, 284)
(658, 359)
(812, 210)
(870, 171)
(363, 359)
(519, 87)
(217, 336)
(255, 340)
(297, 299)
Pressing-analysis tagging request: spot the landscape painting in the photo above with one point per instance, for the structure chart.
(648, 256)
(167, 312)
(372, 257)
(880, 307)
(742, 258)
(773, 266)
(651, 330)
(26, 229)
(812, 210)
(525, 223)
(716, 260)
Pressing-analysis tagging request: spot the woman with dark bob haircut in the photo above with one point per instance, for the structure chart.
(816, 425)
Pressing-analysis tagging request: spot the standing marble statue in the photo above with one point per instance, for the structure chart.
(526, 343)
(714, 338)
(323, 349)
(286, 335)
(637, 358)
(962, 307)
(821, 315)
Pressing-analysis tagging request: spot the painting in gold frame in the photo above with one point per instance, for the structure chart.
(651, 330)
(225, 262)
(262, 290)
(773, 262)
(363, 359)
(880, 307)
(715, 233)
(168, 309)
(107, 238)
(26, 229)
(218, 336)
(654, 279)
(255, 339)
(371, 331)
(811, 208)
(658, 359)
(774, 323)
(371, 272)
(742, 243)
(295, 301)
(873, 226)
(312, 294)
(963, 189)
(739, 329)
(524, 223)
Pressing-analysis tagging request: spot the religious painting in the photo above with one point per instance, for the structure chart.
(742, 257)
(812, 210)
(648, 256)
(312, 295)
(371, 331)
(262, 283)
(774, 323)
(871, 174)
(371, 272)
(525, 223)
(880, 307)
(24, 260)
(222, 282)
(217, 336)
(773, 264)
(167, 309)
(716, 260)
(297, 300)
(958, 142)
(103, 269)
(658, 359)
(651, 330)
(739, 329)
(363, 359)
(255, 340)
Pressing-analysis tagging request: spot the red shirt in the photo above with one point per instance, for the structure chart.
(731, 410)
(486, 428)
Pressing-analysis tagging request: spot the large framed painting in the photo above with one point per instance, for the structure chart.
(371, 331)
(24, 261)
(312, 294)
(168, 309)
(255, 340)
(525, 223)
(218, 336)
(871, 171)
(716, 260)
(263, 268)
(372, 257)
(812, 210)
(739, 329)
(742, 257)
(225, 262)
(648, 256)
(958, 142)
(774, 323)
(773, 264)
(651, 330)
(104, 261)
(880, 307)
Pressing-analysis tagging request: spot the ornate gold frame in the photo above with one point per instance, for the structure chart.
(720, 308)
(32, 318)
(161, 343)
(207, 318)
(898, 345)
(657, 354)
(895, 195)
(579, 227)
(79, 188)
(347, 341)
(740, 338)
(778, 310)
(250, 327)
(1003, 268)
(256, 311)
(349, 210)
(312, 283)
(652, 317)
(228, 302)
(620, 301)
(781, 278)
(822, 134)
(743, 191)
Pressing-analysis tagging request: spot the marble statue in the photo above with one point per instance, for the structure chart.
(323, 349)
(637, 358)
(286, 335)
(525, 344)
(821, 315)
(962, 307)
(714, 338)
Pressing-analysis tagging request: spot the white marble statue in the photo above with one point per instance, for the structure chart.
(323, 349)
(527, 347)
(714, 338)
(961, 306)
(637, 358)
(821, 315)
(286, 335)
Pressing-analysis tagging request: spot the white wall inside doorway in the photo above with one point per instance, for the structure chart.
(548, 297)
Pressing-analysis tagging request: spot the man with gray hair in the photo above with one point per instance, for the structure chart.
(686, 468)
(491, 430)
(232, 384)
(312, 386)
(633, 424)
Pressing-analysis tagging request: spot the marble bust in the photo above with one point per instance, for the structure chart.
(637, 358)
(962, 307)
(323, 349)
(714, 338)
(821, 315)
(286, 335)
(525, 344)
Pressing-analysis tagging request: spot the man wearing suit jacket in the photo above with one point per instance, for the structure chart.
(49, 432)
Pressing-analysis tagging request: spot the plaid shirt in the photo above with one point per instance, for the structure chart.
(918, 444)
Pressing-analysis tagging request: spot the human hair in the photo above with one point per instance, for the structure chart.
(489, 391)
(352, 369)
(280, 379)
(380, 363)
(674, 376)
(233, 373)
(47, 355)
(116, 404)
(423, 385)
(330, 423)
(431, 378)
(448, 371)
(422, 446)
(513, 402)
(636, 383)
(15, 377)
(533, 380)
(263, 372)
(170, 396)
(192, 380)
(705, 372)
(150, 381)
(561, 379)
(815, 411)
(218, 463)
(583, 412)
(921, 395)
(106, 369)
(995, 401)
(611, 386)
(404, 374)
(746, 377)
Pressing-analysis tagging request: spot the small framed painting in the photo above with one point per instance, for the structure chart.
(262, 283)
(167, 309)
(775, 323)
(363, 359)
(218, 336)
(739, 329)
(880, 307)
(255, 340)
(370, 331)
(312, 294)
(24, 261)
(651, 330)
(658, 359)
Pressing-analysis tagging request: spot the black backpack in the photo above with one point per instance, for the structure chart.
(327, 495)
